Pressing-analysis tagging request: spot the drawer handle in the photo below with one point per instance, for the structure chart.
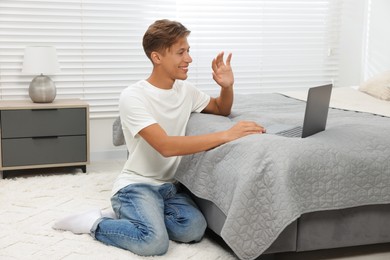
(44, 137)
(45, 109)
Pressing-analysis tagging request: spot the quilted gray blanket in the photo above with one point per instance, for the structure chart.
(262, 183)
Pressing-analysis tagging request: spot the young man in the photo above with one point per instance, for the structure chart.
(149, 209)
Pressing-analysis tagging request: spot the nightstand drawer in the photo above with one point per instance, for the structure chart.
(43, 122)
(35, 151)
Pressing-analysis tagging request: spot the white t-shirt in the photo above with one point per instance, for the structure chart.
(141, 105)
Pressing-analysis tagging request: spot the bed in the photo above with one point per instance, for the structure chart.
(265, 194)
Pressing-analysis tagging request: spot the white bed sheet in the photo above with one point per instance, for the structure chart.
(350, 98)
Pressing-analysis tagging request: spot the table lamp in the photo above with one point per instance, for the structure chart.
(40, 60)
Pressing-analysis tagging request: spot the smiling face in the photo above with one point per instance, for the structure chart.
(170, 64)
(176, 59)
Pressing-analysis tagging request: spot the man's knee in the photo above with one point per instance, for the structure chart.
(190, 231)
(200, 228)
(151, 245)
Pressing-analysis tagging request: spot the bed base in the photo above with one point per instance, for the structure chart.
(363, 225)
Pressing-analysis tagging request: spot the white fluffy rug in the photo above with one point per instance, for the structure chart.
(29, 205)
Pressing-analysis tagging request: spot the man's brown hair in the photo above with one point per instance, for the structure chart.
(161, 35)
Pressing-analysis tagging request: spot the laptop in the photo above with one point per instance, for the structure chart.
(316, 114)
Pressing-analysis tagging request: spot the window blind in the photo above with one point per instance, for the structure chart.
(276, 45)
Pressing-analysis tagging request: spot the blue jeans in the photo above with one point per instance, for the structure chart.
(148, 217)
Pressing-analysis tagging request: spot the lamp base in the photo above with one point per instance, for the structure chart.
(42, 89)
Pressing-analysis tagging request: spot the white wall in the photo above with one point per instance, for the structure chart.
(363, 54)
(352, 43)
(101, 147)
(378, 45)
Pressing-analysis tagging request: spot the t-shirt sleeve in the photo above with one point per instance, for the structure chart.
(200, 100)
(134, 114)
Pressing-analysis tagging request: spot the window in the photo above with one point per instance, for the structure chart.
(275, 44)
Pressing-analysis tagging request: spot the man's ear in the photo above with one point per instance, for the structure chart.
(156, 57)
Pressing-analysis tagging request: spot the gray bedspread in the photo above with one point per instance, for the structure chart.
(264, 182)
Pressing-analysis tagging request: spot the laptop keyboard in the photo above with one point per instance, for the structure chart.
(292, 132)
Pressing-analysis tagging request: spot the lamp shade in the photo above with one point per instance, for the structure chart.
(40, 60)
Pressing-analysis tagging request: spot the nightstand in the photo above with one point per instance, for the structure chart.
(43, 135)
